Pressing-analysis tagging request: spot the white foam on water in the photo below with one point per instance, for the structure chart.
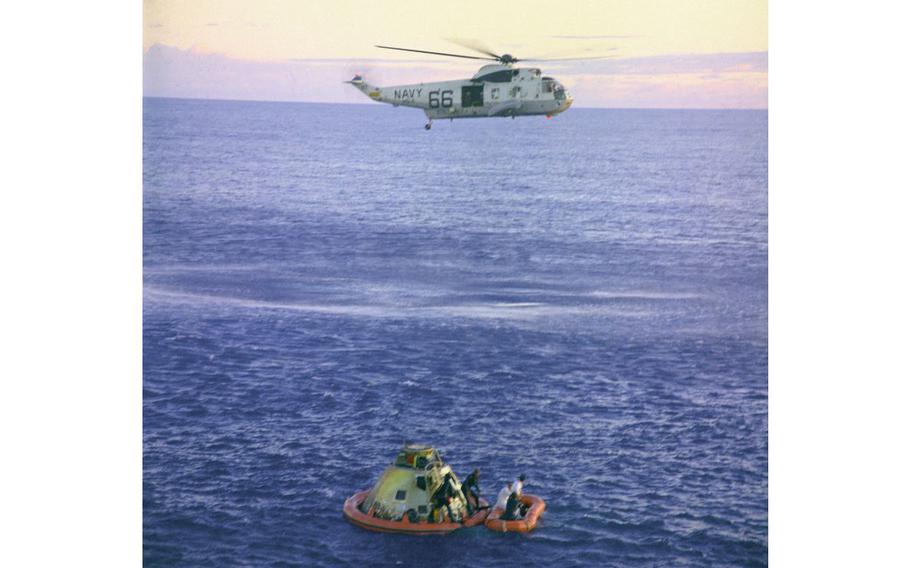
(642, 295)
(341, 309)
(491, 310)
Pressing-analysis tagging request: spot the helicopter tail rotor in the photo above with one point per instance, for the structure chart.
(367, 89)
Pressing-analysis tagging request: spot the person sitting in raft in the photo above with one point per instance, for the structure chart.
(518, 487)
(503, 497)
(466, 488)
(513, 511)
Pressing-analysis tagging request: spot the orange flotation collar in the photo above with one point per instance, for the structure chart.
(353, 513)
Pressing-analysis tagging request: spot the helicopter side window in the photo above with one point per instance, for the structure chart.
(472, 96)
(548, 86)
(400, 495)
(494, 93)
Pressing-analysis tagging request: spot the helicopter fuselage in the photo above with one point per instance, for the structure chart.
(495, 90)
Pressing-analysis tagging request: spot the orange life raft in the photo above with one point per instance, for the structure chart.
(353, 513)
(536, 507)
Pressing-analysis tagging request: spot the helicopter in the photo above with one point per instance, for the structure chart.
(496, 90)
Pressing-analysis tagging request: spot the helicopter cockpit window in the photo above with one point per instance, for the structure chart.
(548, 86)
(559, 92)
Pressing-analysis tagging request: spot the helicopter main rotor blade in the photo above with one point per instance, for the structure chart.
(475, 46)
(436, 53)
(573, 58)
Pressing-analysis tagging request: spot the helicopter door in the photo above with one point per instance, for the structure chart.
(472, 96)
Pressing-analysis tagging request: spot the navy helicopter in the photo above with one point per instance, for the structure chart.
(498, 89)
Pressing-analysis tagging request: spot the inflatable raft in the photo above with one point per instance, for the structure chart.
(404, 525)
(410, 497)
(536, 507)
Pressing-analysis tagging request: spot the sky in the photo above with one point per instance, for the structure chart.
(664, 53)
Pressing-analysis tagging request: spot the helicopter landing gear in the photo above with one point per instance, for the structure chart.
(428, 125)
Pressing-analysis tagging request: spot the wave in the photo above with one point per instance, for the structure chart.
(478, 310)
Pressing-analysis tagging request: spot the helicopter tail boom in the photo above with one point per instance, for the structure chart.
(364, 87)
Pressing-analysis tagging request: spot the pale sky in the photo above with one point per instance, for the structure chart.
(668, 53)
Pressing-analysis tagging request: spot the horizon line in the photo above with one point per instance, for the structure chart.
(373, 104)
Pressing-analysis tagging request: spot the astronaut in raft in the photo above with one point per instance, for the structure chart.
(509, 500)
(515, 511)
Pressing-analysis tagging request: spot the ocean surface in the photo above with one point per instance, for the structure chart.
(582, 299)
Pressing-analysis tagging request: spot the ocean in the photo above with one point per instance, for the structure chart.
(581, 299)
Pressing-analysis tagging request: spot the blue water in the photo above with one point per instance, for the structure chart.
(582, 299)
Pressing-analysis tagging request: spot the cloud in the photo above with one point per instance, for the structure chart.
(192, 73)
(753, 61)
(583, 37)
(707, 80)
(683, 90)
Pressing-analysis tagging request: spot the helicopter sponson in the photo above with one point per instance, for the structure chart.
(495, 90)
